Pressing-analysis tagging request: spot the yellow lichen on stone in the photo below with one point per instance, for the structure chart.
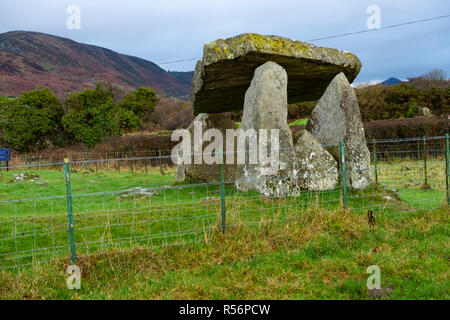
(253, 42)
(309, 67)
(218, 50)
(243, 44)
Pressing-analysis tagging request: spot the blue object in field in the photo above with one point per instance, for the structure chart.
(5, 154)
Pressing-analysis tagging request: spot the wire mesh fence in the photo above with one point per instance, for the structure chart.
(95, 161)
(142, 207)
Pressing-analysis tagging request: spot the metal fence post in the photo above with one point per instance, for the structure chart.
(69, 211)
(130, 164)
(425, 162)
(375, 159)
(160, 163)
(447, 166)
(344, 174)
(118, 162)
(145, 164)
(85, 161)
(222, 193)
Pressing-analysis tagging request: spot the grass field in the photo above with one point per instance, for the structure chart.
(318, 255)
(299, 122)
(52, 182)
(169, 245)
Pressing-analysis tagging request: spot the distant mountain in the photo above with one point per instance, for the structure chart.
(31, 59)
(391, 81)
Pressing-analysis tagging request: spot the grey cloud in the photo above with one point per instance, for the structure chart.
(177, 29)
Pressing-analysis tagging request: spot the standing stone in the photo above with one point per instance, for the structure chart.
(318, 170)
(265, 107)
(207, 172)
(337, 117)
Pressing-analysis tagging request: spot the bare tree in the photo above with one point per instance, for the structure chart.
(436, 75)
(436, 78)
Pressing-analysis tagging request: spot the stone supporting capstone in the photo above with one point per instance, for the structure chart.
(335, 118)
(318, 170)
(203, 172)
(265, 107)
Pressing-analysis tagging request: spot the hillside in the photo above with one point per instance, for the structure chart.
(30, 59)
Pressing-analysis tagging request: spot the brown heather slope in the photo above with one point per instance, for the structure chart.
(30, 59)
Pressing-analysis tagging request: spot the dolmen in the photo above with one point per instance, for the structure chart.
(259, 75)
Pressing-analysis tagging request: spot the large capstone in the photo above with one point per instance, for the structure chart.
(265, 107)
(224, 74)
(204, 172)
(318, 170)
(336, 117)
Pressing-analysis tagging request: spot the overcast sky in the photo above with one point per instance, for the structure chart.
(169, 30)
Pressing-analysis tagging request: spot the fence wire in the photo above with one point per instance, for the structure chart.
(153, 212)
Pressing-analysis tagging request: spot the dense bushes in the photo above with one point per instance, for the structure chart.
(432, 90)
(140, 101)
(401, 128)
(169, 114)
(401, 101)
(33, 120)
(391, 102)
(37, 119)
(137, 142)
(406, 128)
(91, 116)
(130, 145)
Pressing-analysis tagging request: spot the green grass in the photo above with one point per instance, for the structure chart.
(185, 255)
(408, 178)
(34, 216)
(36, 230)
(299, 122)
(52, 182)
(317, 255)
